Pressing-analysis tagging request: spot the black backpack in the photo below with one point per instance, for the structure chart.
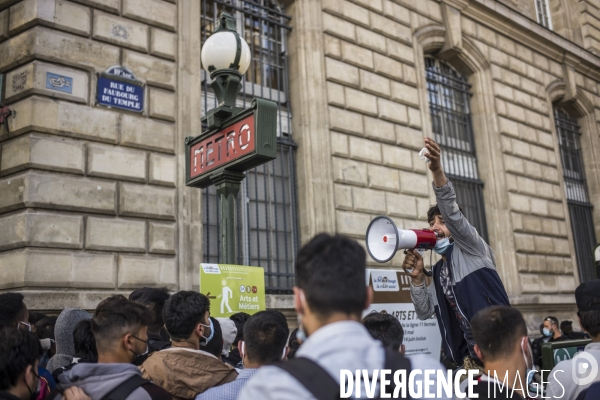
(323, 386)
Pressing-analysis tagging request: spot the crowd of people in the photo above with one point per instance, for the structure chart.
(159, 345)
(156, 345)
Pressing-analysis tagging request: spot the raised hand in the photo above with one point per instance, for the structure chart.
(435, 164)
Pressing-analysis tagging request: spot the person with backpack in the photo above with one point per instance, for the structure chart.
(329, 297)
(120, 327)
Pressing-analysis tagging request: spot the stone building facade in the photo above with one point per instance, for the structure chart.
(93, 200)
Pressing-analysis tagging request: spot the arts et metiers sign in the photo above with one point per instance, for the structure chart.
(119, 87)
(247, 140)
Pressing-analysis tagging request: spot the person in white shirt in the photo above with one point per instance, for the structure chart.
(329, 299)
(570, 377)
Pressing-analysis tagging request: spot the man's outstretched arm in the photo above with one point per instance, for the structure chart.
(463, 233)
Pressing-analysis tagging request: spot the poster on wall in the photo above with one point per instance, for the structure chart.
(391, 295)
(233, 288)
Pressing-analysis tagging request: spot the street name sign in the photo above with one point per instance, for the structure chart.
(118, 87)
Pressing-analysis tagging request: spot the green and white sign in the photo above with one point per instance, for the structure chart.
(233, 288)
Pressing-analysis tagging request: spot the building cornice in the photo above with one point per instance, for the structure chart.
(532, 35)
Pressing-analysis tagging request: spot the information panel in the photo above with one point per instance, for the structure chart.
(391, 295)
(233, 288)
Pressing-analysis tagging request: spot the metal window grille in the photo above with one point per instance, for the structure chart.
(267, 233)
(576, 190)
(449, 104)
(542, 10)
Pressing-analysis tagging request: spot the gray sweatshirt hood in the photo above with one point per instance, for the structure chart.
(97, 380)
(63, 335)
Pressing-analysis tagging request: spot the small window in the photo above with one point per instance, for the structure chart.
(542, 10)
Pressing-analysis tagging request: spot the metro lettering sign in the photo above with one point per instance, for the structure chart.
(249, 139)
(223, 147)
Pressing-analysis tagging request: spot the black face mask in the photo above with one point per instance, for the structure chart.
(33, 395)
(140, 358)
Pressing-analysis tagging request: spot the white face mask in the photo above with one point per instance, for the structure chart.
(301, 335)
(442, 245)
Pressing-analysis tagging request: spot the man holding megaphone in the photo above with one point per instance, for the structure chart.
(464, 280)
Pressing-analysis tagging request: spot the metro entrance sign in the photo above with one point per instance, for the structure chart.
(235, 139)
(249, 139)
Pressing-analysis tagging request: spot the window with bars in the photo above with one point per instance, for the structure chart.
(542, 11)
(449, 104)
(580, 209)
(267, 234)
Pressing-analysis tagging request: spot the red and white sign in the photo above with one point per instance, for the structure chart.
(227, 145)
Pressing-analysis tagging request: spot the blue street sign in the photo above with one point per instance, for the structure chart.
(120, 94)
(59, 83)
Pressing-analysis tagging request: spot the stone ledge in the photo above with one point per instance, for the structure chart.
(52, 45)
(52, 301)
(52, 268)
(41, 229)
(58, 192)
(42, 152)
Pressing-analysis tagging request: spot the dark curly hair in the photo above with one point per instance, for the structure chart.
(155, 299)
(11, 307)
(183, 312)
(386, 328)
(18, 349)
(265, 335)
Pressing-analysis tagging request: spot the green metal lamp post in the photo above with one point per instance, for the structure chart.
(226, 56)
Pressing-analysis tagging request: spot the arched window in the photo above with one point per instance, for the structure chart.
(576, 189)
(268, 234)
(449, 104)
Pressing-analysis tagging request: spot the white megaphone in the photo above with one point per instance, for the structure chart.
(384, 239)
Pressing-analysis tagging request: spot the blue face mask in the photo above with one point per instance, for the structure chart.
(212, 333)
(546, 332)
(442, 246)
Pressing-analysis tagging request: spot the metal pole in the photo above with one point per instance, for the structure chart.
(228, 186)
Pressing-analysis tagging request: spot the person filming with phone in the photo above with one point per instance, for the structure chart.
(464, 281)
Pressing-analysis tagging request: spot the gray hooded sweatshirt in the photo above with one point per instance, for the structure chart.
(97, 380)
(63, 335)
